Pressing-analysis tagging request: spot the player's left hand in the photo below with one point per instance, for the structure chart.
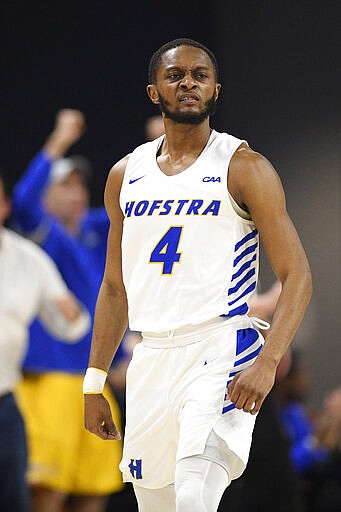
(250, 387)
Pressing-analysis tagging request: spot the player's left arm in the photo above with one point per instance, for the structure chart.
(256, 186)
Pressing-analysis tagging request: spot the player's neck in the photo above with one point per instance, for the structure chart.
(185, 138)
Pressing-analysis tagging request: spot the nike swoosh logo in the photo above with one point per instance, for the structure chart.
(133, 181)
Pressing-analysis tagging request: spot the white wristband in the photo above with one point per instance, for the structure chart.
(94, 380)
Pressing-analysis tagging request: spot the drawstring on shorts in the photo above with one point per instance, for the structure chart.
(258, 323)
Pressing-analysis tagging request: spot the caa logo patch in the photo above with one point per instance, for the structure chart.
(211, 178)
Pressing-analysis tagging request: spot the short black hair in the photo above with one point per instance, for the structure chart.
(157, 56)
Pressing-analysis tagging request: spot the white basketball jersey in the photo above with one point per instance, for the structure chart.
(187, 255)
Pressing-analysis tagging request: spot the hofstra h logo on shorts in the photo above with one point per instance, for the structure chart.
(172, 206)
(135, 467)
(215, 179)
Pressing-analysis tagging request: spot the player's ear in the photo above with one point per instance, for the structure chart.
(153, 94)
(217, 90)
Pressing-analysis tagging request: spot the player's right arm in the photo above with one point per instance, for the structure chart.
(111, 315)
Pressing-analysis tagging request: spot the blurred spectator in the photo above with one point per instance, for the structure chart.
(51, 206)
(154, 127)
(291, 397)
(30, 285)
(315, 437)
(323, 481)
(329, 421)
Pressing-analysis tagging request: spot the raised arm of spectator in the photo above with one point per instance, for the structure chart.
(28, 193)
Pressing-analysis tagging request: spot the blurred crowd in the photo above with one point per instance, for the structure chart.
(52, 256)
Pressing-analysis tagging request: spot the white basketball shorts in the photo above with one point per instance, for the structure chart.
(177, 394)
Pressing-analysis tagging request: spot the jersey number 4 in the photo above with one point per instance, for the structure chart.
(166, 250)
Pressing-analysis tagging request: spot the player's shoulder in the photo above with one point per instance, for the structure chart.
(118, 169)
(114, 181)
(247, 164)
(251, 174)
(246, 157)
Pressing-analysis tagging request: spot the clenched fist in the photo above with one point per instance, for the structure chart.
(69, 126)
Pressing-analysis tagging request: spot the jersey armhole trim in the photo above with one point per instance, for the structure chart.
(239, 211)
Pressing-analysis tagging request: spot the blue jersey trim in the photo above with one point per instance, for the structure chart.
(249, 356)
(246, 292)
(240, 283)
(246, 238)
(240, 310)
(247, 251)
(228, 408)
(245, 266)
(245, 339)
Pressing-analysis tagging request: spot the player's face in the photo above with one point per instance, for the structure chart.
(185, 88)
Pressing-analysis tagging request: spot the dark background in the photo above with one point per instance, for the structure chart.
(280, 70)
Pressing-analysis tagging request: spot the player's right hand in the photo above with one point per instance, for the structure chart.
(98, 418)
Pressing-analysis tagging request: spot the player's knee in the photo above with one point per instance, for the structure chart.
(189, 497)
(199, 485)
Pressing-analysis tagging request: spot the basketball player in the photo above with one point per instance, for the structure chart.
(186, 213)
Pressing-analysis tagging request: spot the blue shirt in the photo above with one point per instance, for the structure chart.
(304, 452)
(80, 260)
